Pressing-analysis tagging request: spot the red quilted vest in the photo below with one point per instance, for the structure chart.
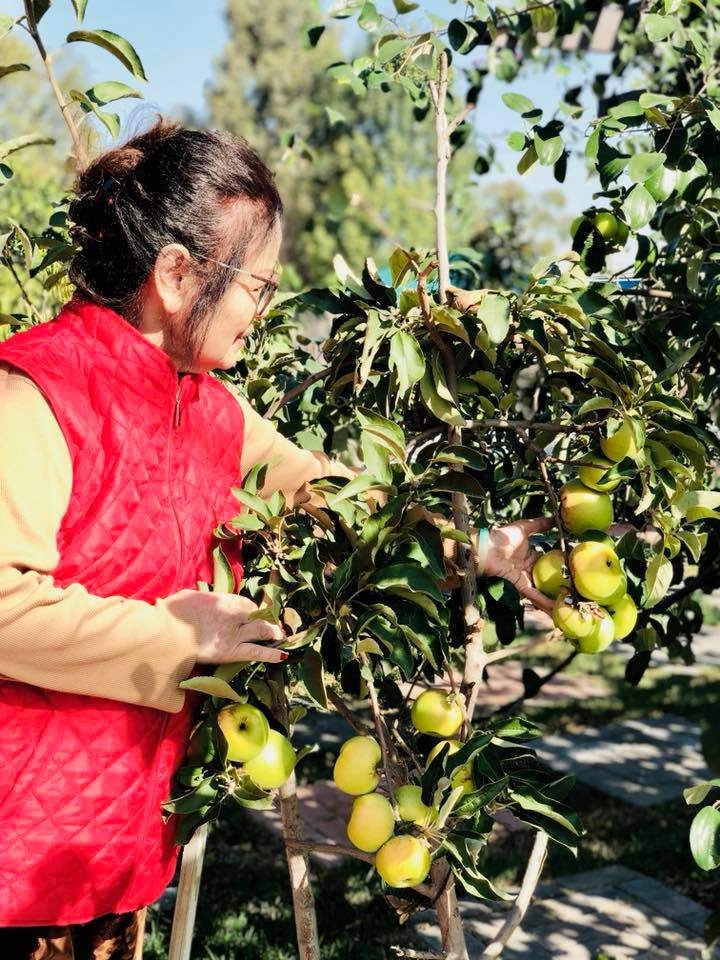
(82, 778)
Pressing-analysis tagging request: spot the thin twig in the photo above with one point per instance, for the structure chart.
(295, 392)
(522, 901)
(380, 728)
(313, 846)
(359, 726)
(65, 106)
(494, 424)
(21, 286)
(563, 665)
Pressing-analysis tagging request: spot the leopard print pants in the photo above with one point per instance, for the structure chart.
(110, 937)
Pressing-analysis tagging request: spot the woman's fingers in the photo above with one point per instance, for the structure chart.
(256, 651)
(258, 630)
(538, 599)
(535, 525)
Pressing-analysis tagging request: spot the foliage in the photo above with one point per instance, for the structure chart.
(326, 141)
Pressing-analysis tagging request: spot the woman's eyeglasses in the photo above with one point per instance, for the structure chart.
(265, 293)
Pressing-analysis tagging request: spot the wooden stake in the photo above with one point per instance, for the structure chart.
(187, 895)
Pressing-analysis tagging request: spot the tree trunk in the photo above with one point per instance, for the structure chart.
(448, 914)
(298, 860)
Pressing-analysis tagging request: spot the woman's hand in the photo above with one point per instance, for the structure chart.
(510, 556)
(225, 634)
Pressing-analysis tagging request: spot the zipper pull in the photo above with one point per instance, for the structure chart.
(177, 407)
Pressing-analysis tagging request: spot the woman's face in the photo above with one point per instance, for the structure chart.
(235, 313)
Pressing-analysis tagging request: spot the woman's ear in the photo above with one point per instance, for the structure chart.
(173, 278)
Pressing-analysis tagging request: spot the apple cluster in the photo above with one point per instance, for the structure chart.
(268, 757)
(595, 608)
(402, 860)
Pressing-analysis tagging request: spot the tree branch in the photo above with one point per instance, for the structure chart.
(295, 392)
(359, 726)
(522, 901)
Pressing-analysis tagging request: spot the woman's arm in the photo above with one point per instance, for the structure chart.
(67, 639)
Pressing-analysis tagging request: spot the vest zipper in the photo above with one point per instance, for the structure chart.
(178, 412)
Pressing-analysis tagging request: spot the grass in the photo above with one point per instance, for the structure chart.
(245, 907)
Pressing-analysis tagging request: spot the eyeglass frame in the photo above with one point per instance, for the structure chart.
(268, 289)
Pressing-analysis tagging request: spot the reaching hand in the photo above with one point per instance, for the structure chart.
(511, 557)
(225, 632)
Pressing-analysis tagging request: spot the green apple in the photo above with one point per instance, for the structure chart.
(246, 730)
(274, 764)
(621, 444)
(593, 466)
(356, 768)
(574, 622)
(584, 509)
(611, 227)
(601, 636)
(596, 570)
(453, 748)
(437, 713)
(624, 614)
(547, 573)
(371, 823)
(411, 807)
(403, 861)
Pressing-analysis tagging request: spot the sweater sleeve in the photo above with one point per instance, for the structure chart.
(290, 467)
(65, 638)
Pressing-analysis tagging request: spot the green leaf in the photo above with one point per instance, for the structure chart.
(114, 44)
(517, 102)
(494, 314)
(213, 686)
(639, 207)
(595, 403)
(20, 143)
(516, 141)
(13, 68)
(110, 90)
(643, 165)
(527, 161)
(204, 793)
(403, 6)
(659, 28)
(548, 151)
(312, 675)
(696, 794)
(383, 431)
(657, 580)
(705, 838)
(79, 6)
(409, 576)
(534, 802)
(223, 578)
(369, 18)
(700, 504)
(407, 359)
(443, 409)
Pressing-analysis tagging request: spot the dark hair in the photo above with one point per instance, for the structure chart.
(168, 185)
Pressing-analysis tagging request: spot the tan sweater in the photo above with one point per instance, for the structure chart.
(66, 638)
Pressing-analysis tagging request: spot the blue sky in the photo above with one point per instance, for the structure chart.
(179, 40)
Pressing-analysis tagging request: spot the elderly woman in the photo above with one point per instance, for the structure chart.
(118, 452)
